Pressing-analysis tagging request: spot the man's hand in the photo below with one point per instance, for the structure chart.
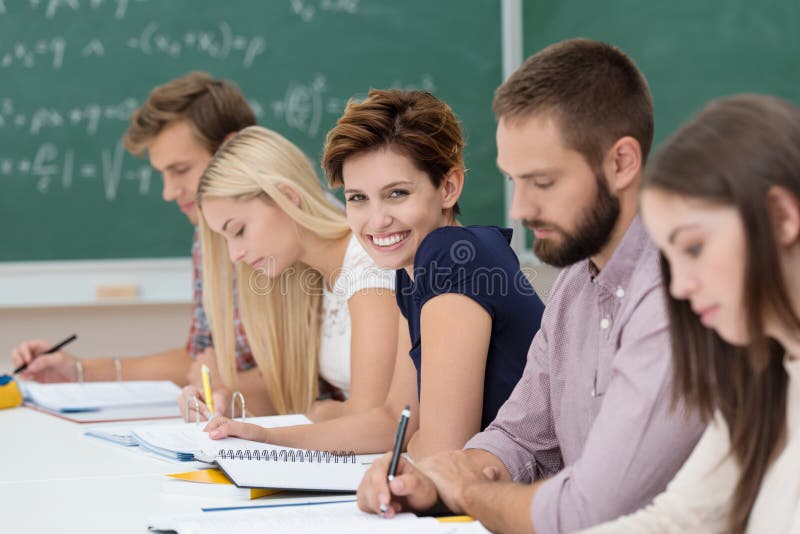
(410, 489)
(452, 472)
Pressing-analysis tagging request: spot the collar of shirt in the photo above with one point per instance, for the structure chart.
(614, 278)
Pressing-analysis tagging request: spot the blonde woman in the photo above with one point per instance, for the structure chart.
(313, 303)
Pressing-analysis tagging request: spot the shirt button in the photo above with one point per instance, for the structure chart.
(620, 293)
(605, 323)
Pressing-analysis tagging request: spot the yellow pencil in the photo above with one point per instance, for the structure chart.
(455, 519)
(207, 388)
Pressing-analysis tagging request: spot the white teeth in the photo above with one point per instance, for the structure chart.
(389, 240)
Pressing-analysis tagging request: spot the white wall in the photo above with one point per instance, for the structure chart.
(103, 330)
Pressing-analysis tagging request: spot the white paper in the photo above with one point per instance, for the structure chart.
(67, 397)
(344, 517)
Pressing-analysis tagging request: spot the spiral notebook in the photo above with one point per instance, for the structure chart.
(251, 464)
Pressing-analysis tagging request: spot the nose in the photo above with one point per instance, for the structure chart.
(682, 283)
(522, 207)
(170, 192)
(235, 253)
(379, 217)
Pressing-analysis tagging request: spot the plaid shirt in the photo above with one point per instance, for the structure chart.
(200, 330)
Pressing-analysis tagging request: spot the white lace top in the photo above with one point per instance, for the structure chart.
(358, 273)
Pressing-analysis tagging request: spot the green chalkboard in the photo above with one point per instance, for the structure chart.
(690, 50)
(72, 71)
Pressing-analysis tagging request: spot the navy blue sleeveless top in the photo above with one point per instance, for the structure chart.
(478, 262)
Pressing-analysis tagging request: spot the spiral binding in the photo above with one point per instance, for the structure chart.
(288, 455)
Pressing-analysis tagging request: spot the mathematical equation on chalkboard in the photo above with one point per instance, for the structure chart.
(304, 106)
(217, 42)
(71, 144)
(52, 166)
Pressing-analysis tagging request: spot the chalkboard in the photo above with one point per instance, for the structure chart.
(72, 71)
(690, 51)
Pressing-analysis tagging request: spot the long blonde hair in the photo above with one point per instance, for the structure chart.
(281, 319)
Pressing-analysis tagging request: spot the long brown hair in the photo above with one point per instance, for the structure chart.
(731, 154)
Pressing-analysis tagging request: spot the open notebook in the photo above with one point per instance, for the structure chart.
(95, 396)
(181, 441)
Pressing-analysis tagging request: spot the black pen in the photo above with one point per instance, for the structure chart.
(398, 444)
(51, 350)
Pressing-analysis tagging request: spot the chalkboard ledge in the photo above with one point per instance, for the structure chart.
(95, 282)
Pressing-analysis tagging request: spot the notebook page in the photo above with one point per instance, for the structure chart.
(97, 395)
(189, 438)
(344, 517)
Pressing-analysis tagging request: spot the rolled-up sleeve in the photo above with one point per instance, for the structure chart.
(636, 443)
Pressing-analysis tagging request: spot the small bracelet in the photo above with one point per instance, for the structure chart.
(78, 371)
(118, 369)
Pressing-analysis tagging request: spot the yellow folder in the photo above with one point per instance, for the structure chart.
(215, 476)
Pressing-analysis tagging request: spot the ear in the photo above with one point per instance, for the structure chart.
(784, 211)
(451, 187)
(290, 192)
(623, 163)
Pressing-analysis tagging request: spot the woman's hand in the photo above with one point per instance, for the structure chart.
(56, 367)
(222, 427)
(185, 403)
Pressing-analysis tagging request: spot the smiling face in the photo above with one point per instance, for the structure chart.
(570, 209)
(705, 246)
(181, 160)
(391, 206)
(257, 231)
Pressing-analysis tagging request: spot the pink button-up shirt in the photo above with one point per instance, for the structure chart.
(592, 411)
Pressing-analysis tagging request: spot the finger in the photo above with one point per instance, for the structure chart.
(219, 403)
(491, 473)
(240, 430)
(30, 349)
(418, 491)
(380, 485)
(372, 484)
(42, 363)
(216, 423)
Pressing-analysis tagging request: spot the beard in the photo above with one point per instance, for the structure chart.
(592, 233)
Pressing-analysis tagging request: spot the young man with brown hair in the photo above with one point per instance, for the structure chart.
(179, 127)
(588, 433)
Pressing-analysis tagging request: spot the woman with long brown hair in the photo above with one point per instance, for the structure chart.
(722, 201)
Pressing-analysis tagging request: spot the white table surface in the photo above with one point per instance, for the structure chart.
(55, 479)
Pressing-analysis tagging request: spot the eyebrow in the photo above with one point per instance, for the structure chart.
(224, 226)
(679, 229)
(540, 173)
(172, 166)
(388, 186)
